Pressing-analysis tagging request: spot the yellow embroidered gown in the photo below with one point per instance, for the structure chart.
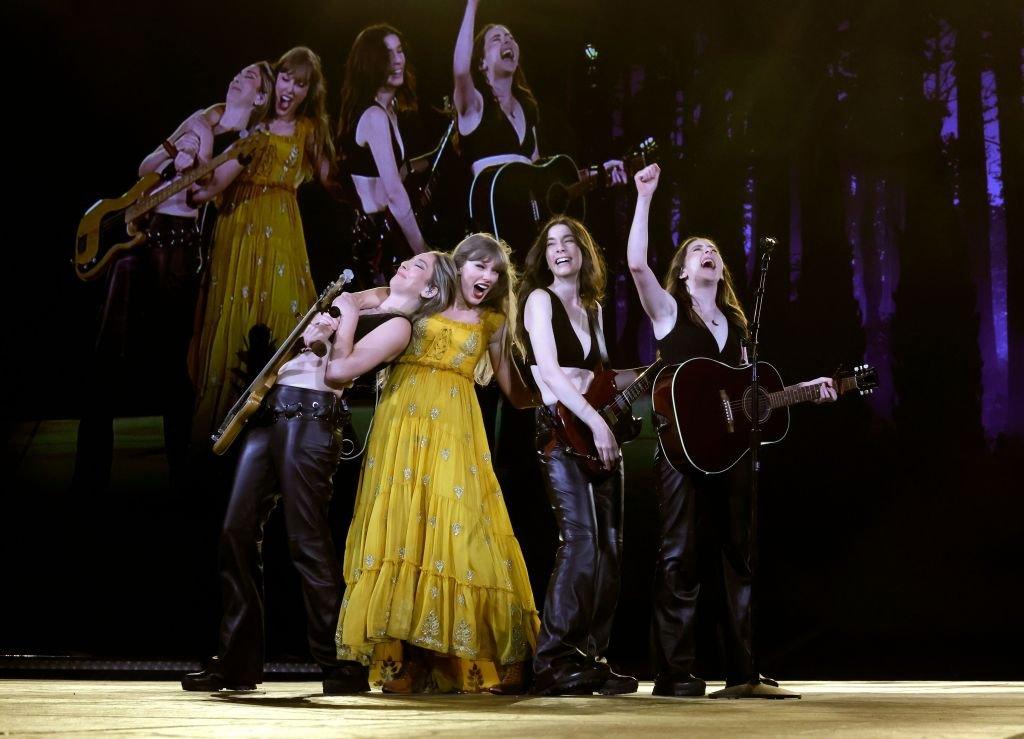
(259, 276)
(431, 559)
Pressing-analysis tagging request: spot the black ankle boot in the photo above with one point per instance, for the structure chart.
(679, 687)
(346, 678)
(212, 679)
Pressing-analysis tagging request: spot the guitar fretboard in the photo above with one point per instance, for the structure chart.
(638, 387)
(803, 394)
(144, 205)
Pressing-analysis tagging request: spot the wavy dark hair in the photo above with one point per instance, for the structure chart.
(366, 71)
(520, 87)
(303, 64)
(537, 274)
(725, 295)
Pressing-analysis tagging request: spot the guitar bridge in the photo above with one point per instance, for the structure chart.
(727, 411)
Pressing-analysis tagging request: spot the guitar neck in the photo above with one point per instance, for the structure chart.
(593, 176)
(146, 204)
(793, 394)
(287, 347)
(435, 162)
(635, 389)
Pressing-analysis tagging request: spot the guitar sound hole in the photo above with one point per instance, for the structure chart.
(763, 406)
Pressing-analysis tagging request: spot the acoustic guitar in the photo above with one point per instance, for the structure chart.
(703, 409)
(515, 199)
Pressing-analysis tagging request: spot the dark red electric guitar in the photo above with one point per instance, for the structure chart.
(615, 406)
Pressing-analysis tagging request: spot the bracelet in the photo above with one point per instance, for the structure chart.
(171, 149)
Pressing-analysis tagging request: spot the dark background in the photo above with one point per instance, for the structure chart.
(859, 133)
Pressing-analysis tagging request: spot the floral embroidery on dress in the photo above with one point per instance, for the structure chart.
(407, 473)
(435, 413)
(431, 629)
(439, 566)
(463, 635)
(368, 560)
(445, 453)
(388, 669)
(458, 492)
(475, 678)
(439, 346)
(456, 528)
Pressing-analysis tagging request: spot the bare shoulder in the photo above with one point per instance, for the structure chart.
(374, 116)
(213, 114)
(539, 299)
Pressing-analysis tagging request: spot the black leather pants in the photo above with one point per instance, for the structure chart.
(576, 621)
(141, 351)
(710, 513)
(289, 454)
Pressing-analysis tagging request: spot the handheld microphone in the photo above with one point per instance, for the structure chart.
(318, 347)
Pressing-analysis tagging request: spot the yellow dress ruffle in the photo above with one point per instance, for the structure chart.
(259, 275)
(431, 559)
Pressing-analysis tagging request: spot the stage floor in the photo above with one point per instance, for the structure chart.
(870, 709)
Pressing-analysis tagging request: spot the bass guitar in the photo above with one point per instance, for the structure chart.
(615, 407)
(113, 225)
(513, 200)
(247, 405)
(703, 409)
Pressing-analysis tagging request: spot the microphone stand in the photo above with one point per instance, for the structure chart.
(761, 687)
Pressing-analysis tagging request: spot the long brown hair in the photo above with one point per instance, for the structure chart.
(520, 87)
(537, 274)
(725, 295)
(501, 298)
(304, 64)
(366, 71)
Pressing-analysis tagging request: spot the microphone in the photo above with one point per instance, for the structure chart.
(318, 347)
(768, 244)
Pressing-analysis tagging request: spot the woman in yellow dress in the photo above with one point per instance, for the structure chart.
(437, 596)
(259, 275)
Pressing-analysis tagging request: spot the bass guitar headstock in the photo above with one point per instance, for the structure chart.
(334, 288)
(862, 379)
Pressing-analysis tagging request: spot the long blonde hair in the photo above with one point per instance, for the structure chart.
(725, 295)
(501, 298)
(446, 279)
(303, 63)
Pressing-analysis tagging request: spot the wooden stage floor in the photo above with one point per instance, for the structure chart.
(869, 709)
